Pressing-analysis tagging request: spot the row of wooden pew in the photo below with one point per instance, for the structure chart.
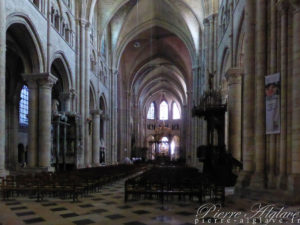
(64, 185)
(167, 182)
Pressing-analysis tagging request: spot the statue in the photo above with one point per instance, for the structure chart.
(55, 104)
(210, 80)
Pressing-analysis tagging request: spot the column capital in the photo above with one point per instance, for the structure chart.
(295, 5)
(66, 95)
(96, 112)
(31, 83)
(233, 75)
(73, 93)
(43, 79)
(104, 116)
(189, 93)
(115, 72)
(210, 18)
(46, 80)
(196, 68)
(283, 6)
(83, 22)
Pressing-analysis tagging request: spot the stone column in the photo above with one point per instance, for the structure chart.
(191, 151)
(206, 53)
(82, 86)
(96, 137)
(234, 78)
(2, 86)
(32, 120)
(283, 9)
(271, 139)
(87, 94)
(45, 82)
(248, 96)
(259, 179)
(294, 179)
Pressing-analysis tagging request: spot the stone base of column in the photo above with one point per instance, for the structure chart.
(243, 180)
(282, 182)
(268, 195)
(4, 173)
(271, 181)
(96, 164)
(47, 169)
(294, 183)
(258, 181)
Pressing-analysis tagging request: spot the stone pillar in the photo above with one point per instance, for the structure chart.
(45, 82)
(294, 178)
(283, 9)
(271, 139)
(2, 86)
(259, 179)
(96, 137)
(190, 159)
(87, 94)
(82, 86)
(234, 78)
(248, 96)
(206, 53)
(32, 120)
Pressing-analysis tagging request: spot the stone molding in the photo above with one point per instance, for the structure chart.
(234, 75)
(96, 112)
(210, 17)
(283, 6)
(66, 95)
(45, 80)
(295, 5)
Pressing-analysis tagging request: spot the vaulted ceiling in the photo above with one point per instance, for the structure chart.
(155, 43)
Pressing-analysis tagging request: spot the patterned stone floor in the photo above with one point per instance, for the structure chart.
(108, 208)
(104, 208)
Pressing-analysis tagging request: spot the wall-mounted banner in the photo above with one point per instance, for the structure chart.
(272, 92)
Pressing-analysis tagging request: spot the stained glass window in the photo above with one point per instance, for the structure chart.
(173, 145)
(151, 112)
(176, 113)
(163, 111)
(23, 106)
(164, 146)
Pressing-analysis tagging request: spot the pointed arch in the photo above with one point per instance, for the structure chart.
(30, 38)
(175, 111)
(93, 103)
(164, 110)
(151, 111)
(62, 64)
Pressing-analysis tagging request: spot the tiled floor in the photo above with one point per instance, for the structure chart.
(104, 208)
(108, 208)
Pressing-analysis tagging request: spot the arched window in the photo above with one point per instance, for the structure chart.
(36, 3)
(63, 29)
(163, 111)
(93, 61)
(176, 113)
(67, 34)
(56, 21)
(23, 106)
(151, 112)
(173, 145)
(102, 121)
(164, 146)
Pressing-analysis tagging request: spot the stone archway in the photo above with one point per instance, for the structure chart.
(22, 57)
(62, 90)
